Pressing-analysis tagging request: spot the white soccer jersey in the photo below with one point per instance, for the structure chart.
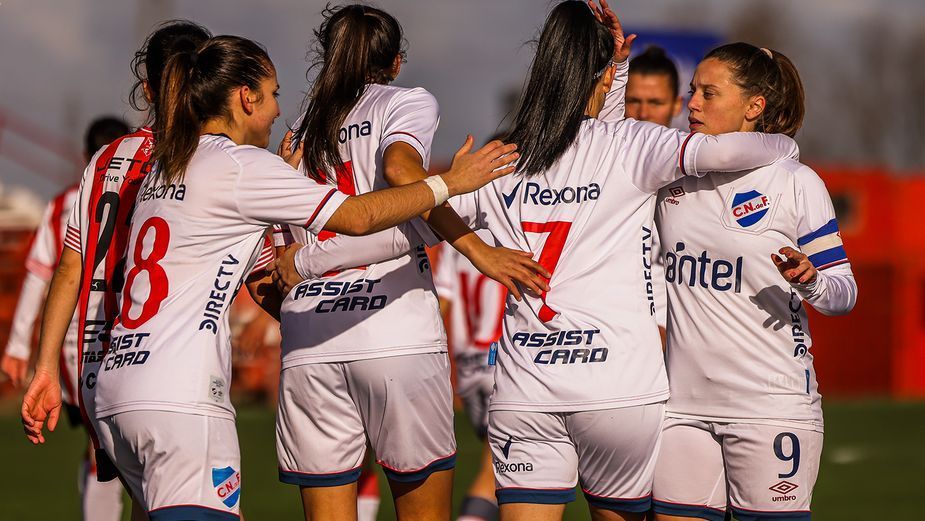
(738, 340)
(476, 306)
(98, 229)
(44, 253)
(383, 309)
(191, 245)
(590, 342)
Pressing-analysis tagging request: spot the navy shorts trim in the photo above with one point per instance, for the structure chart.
(412, 476)
(639, 504)
(742, 514)
(539, 496)
(191, 513)
(305, 479)
(682, 510)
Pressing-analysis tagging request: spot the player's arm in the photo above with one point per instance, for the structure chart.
(615, 101)
(265, 293)
(403, 165)
(819, 270)
(15, 359)
(297, 262)
(656, 156)
(42, 402)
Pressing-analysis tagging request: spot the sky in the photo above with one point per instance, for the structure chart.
(65, 62)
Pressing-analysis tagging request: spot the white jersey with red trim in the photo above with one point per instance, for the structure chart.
(738, 340)
(476, 308)
(590, 342)
(386, 308)
(44, 252)
(192, 243)
(98, 229)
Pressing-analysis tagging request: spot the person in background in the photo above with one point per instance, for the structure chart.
(99, 501)
(652, 94)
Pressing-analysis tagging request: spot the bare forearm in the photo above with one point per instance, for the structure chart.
(265, 294)
(59, 309)
(376, 211)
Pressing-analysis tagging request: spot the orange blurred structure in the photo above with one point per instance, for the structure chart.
(880, 347)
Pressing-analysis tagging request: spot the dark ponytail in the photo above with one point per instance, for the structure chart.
(770, 74)
(169, 38)
(573, 51)
(356, 45)
(194, 89)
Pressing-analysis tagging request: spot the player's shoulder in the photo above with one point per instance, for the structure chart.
(222, 152)
(394, 95)
(798, 173)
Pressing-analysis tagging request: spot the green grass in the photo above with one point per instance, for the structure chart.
(873, 463)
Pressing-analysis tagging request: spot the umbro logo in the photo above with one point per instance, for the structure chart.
(784, 488)
(509, 198)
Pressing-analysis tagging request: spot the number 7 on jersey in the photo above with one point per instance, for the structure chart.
(549, 257)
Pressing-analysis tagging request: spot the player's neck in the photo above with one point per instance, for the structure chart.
(221, 127)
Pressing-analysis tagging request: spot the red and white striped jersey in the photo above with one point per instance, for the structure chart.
(590, 342)
(44, 252)
(191, 244)
(98, 228)
(382, 309)
(476, 305)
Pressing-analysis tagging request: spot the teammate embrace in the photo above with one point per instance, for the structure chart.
(580, 387)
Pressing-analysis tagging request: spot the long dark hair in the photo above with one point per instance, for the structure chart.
(167, 39)
(772, 75)
(573, 50)
(194, 89)
(355, 45)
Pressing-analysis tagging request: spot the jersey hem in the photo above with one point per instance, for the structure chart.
(214, 412)
(352, 356)
(805, 424)
(595, 405)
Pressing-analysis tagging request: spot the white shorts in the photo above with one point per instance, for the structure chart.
(180, 466)
(762, 469)
(402, 404)
(539, 457)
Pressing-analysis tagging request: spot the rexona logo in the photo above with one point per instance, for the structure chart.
(534, 193)
(750, 207)
(503, 467)
(227, 483)
(784, 488)
(354, 131)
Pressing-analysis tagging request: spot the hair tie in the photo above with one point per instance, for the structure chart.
(767, 52)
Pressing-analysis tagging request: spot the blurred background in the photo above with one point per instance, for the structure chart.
(863, 66)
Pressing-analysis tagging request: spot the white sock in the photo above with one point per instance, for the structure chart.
(367, 508)
(99, 501)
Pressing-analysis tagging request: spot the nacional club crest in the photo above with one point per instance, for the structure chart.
(750, 207)
(227, 483)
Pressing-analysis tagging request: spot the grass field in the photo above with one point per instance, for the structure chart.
(873, 463)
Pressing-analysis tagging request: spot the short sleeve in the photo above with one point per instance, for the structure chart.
(654, 155)
(817, 227)
(282, 235)
(269, 191)
(412, 118)
(43, 255)
(265, 257)
(75, 220)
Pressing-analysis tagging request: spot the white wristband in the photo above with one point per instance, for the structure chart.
(438, 187)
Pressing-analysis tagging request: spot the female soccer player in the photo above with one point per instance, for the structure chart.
(162, 396)
(744, 420)
(580, 384)
(343, 332)
(89, 270)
